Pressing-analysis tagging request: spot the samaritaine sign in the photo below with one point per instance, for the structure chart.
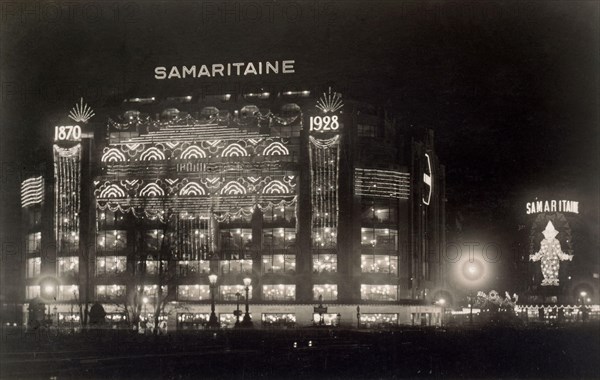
(552, 206)
(225, 70)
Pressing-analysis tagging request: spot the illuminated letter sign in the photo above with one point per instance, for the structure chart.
(67, 133)
(552, 206)
(428, 181)
(324, 123)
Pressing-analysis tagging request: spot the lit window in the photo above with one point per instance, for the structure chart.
(324, 263)
(68, 266)
(279, 238)
(34, 267)
(111, 240)
(279, 292)
(32, 291)
(153, 267)
(235, 266)
(193, 292)
(280, 215)
(278, 319)
(34, 242)
(228, 292)
(325, 237)
(379, 238)
(379, 292)
(192, 267)
(379, 264)
(152, 290)
(110, 265)
(68, 293)
(327, 291)
(278, 263)
(378, 320)
(236, 239)
(109, 292)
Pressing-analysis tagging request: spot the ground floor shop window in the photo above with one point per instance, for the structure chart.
(378, 320)
(192, 321)
(278, 319)
(329, 319)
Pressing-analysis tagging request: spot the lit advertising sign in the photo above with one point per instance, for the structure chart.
(67, 133)
(225, 70)
(537, 207)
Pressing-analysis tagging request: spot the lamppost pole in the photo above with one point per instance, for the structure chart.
(247, 321)
(213, 322)
(237, 312)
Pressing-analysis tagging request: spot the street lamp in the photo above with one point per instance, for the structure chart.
(442, 303)
(213, 322)
(247, 321)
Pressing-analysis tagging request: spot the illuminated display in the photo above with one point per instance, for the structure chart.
(67, 133)
(324, 123)
(330, 102)
(381, 183)
(552, 206)
(67, 176)
(550, 255)
(32, 191)
(324, 162)
(81, 113)
(225, 70)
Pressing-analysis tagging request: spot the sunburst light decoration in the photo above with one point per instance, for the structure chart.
(330, 101)
(81, 113)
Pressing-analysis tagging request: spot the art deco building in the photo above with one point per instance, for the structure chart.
(313, 197)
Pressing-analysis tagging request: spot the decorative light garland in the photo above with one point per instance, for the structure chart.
(32, 191)
(67, 177)
(324, 163)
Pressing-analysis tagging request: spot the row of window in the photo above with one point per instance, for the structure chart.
(232, 239)
(271, 292)
(322, 263)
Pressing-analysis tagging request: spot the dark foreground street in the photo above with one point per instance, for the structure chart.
(333, 354)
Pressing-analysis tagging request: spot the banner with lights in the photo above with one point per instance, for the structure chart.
(67, 190)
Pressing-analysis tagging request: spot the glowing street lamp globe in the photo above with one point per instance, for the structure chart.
(473, 270)
(247, 281)
(212, 279)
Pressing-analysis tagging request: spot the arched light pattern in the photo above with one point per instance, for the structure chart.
(192, 189)
(113, 155)
(276, 148)
(234, 150)
(233, 188)
(276, 187)
(112, 191)
(152, 190)
(193, 152)
(151, 154)
(32, 191)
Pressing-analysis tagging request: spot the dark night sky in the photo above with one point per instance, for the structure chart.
(510, 88)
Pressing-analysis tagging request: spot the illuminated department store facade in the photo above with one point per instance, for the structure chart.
(310, 195)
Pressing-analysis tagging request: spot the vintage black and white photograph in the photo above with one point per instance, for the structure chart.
(301, 189)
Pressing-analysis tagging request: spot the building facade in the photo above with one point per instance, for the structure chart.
(317, 199)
